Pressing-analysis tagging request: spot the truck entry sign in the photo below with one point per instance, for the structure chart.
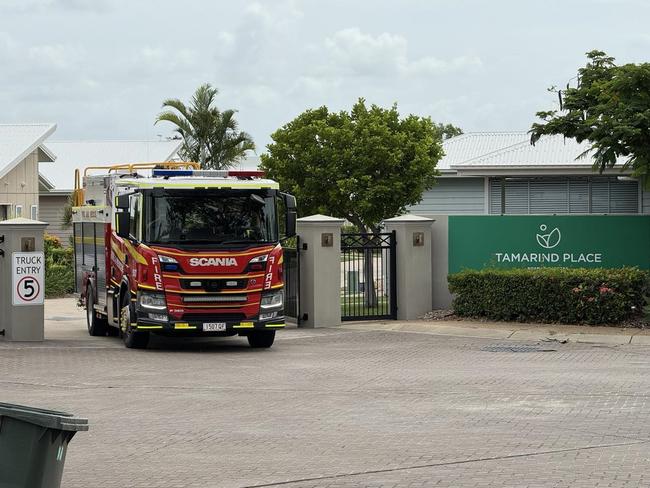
(28, 278)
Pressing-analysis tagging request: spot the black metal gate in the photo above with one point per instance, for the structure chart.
(368, 271)
(291, 269)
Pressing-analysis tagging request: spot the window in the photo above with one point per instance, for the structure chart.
(4, 211)
(34, 212)
(134, 211)
(564, 195)
(217, 218)
(19, 211)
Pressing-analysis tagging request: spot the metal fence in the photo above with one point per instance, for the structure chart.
(368, 273)
(292, 279)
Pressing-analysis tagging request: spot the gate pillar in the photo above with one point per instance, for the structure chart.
(320, 271)
(413, 273)
(22, 279)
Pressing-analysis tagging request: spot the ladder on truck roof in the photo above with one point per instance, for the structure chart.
(78, 192)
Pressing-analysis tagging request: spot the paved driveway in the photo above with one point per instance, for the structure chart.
(340, 408)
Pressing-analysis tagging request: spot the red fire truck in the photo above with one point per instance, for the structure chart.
(170, 249)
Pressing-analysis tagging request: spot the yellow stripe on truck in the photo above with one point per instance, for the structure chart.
(183, 325)
(117, 251)
(244, 325)
(134, 254)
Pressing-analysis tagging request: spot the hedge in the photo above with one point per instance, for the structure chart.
(59, 268)
(561, 295)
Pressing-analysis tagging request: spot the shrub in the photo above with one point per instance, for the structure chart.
(59, 268)
(59, 280)
(565, 295)
(51, 242)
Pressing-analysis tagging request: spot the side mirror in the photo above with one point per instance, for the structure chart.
(290, 205)
(122, 223)
(122, 201)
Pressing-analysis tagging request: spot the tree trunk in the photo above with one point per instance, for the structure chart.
(369, 290)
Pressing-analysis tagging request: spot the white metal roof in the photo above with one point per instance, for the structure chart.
(472, 145)
(503, 150)
(73, 155)
(19, 140)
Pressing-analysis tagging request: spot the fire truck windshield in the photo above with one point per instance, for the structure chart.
(224, 217)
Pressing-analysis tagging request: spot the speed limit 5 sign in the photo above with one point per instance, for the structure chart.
(28, 278)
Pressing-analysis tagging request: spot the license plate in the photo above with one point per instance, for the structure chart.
(214, 326)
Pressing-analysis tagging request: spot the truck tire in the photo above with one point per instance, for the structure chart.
(261, 339)
(133, 339)
(96, 326)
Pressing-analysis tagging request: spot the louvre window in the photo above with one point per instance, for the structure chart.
(563, 195)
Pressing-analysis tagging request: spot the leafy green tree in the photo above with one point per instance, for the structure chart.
(210, 136)
(447, 131)
(610, 108)
(365, 165)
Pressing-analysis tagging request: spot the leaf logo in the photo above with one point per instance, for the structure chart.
(550, 240)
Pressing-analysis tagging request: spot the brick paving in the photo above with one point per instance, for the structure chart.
(342, 408)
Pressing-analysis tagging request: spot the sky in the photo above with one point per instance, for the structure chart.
(100, 69)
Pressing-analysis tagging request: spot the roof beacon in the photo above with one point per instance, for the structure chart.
(208, 173)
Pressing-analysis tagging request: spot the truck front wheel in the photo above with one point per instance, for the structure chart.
(261, 338)
(133, 339)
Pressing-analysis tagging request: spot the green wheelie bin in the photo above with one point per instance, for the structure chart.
(33, 443)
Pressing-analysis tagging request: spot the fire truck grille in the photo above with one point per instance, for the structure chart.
(213, 285)
(215, 317)
(214, 298)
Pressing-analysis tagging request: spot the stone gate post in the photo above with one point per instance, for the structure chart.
(413, 249)
(320, 270)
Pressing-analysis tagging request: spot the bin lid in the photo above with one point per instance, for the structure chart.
(51, 419)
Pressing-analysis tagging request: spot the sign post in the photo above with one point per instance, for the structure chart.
(28, 278)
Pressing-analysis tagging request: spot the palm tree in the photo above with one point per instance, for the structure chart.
(210, 137)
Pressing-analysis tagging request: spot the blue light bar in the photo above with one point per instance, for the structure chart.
(172, 172)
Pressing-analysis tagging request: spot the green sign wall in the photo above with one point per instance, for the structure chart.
(589, 241)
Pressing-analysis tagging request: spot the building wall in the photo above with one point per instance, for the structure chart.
(645, 201)
(20, 186)
(51, 211)
(552, 195)
(453, 196)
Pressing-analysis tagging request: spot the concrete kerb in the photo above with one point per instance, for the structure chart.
(65, 321)
(510, 331)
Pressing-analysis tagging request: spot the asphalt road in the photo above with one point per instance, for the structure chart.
(340, 408)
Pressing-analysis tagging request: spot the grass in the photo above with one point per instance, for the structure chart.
(353, 305)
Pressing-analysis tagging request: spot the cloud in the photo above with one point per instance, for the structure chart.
(26, 64)
(432, 66)
(155, 61)
(312, 85)
(353, 52)
(27, 6)
(52, 74)
(363, 54)
(256, 48)
(52, 56)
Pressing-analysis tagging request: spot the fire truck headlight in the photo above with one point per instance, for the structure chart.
(168, 263)
(167, 259)
(272, 300)
(258, 263)
(152, 301)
